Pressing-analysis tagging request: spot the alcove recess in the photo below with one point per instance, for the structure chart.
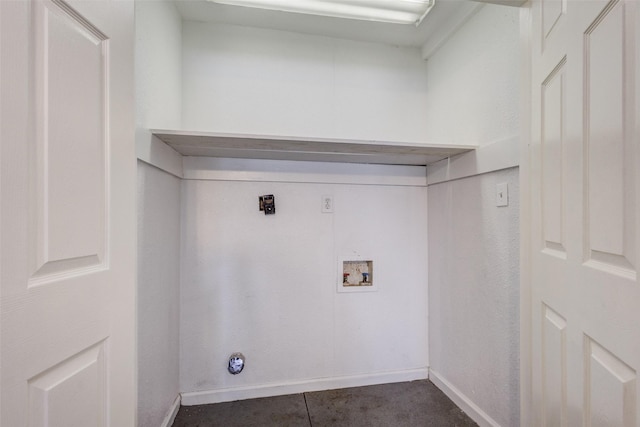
(274, 147)
(357, 273)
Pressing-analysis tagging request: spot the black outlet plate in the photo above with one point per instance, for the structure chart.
(268, 204)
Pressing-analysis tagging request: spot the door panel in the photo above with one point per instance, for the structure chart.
(71, 58)
(552, 12)
(584, 208)
(67, 290)
(610, 388)
(554, 368)
(553, 104)
(609, 186)
(83, 378)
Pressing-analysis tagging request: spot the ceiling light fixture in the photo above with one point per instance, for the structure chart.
(392, 11)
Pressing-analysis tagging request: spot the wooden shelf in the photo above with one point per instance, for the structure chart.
(208, 144)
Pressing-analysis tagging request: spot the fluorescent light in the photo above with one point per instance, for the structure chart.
(393, 11)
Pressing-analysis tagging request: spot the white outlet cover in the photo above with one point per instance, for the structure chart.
(502, 194)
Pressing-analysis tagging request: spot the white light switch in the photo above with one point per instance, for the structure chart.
(502, 194)
(327, 204)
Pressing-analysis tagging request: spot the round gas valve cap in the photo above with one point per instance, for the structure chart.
(236, 363)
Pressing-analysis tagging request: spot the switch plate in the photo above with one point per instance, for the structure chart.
(327, 204)
(502, 194)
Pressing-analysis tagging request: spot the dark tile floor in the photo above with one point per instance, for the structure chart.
(416, 403)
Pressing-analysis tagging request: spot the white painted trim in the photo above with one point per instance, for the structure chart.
(151, 150)
(226, 169)
(492, 157)
(463, 402)
(311, 149)
(171, 415)
(449, 28)
(526, 379)
(279, 389)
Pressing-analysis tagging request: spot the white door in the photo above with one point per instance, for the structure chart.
(585, 222)
(67, 214)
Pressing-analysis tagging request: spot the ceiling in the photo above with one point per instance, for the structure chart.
(444, 15)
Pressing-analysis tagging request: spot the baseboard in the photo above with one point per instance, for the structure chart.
(460, 399)
(279, 389)
(171, 415)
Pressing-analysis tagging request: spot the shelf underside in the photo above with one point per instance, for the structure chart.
(207, 144)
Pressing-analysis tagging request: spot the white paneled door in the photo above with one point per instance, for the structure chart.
(585, 187)
(67, 214)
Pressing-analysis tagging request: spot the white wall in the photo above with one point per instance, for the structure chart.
(474, 245)
(158, 293)
(474, 81)
(266, 286)
(158, 65)
(249, 80)
(158, 104)
(474, 292)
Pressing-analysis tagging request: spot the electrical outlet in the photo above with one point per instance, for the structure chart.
(267, 204)
(327, 204)
(502, 194)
